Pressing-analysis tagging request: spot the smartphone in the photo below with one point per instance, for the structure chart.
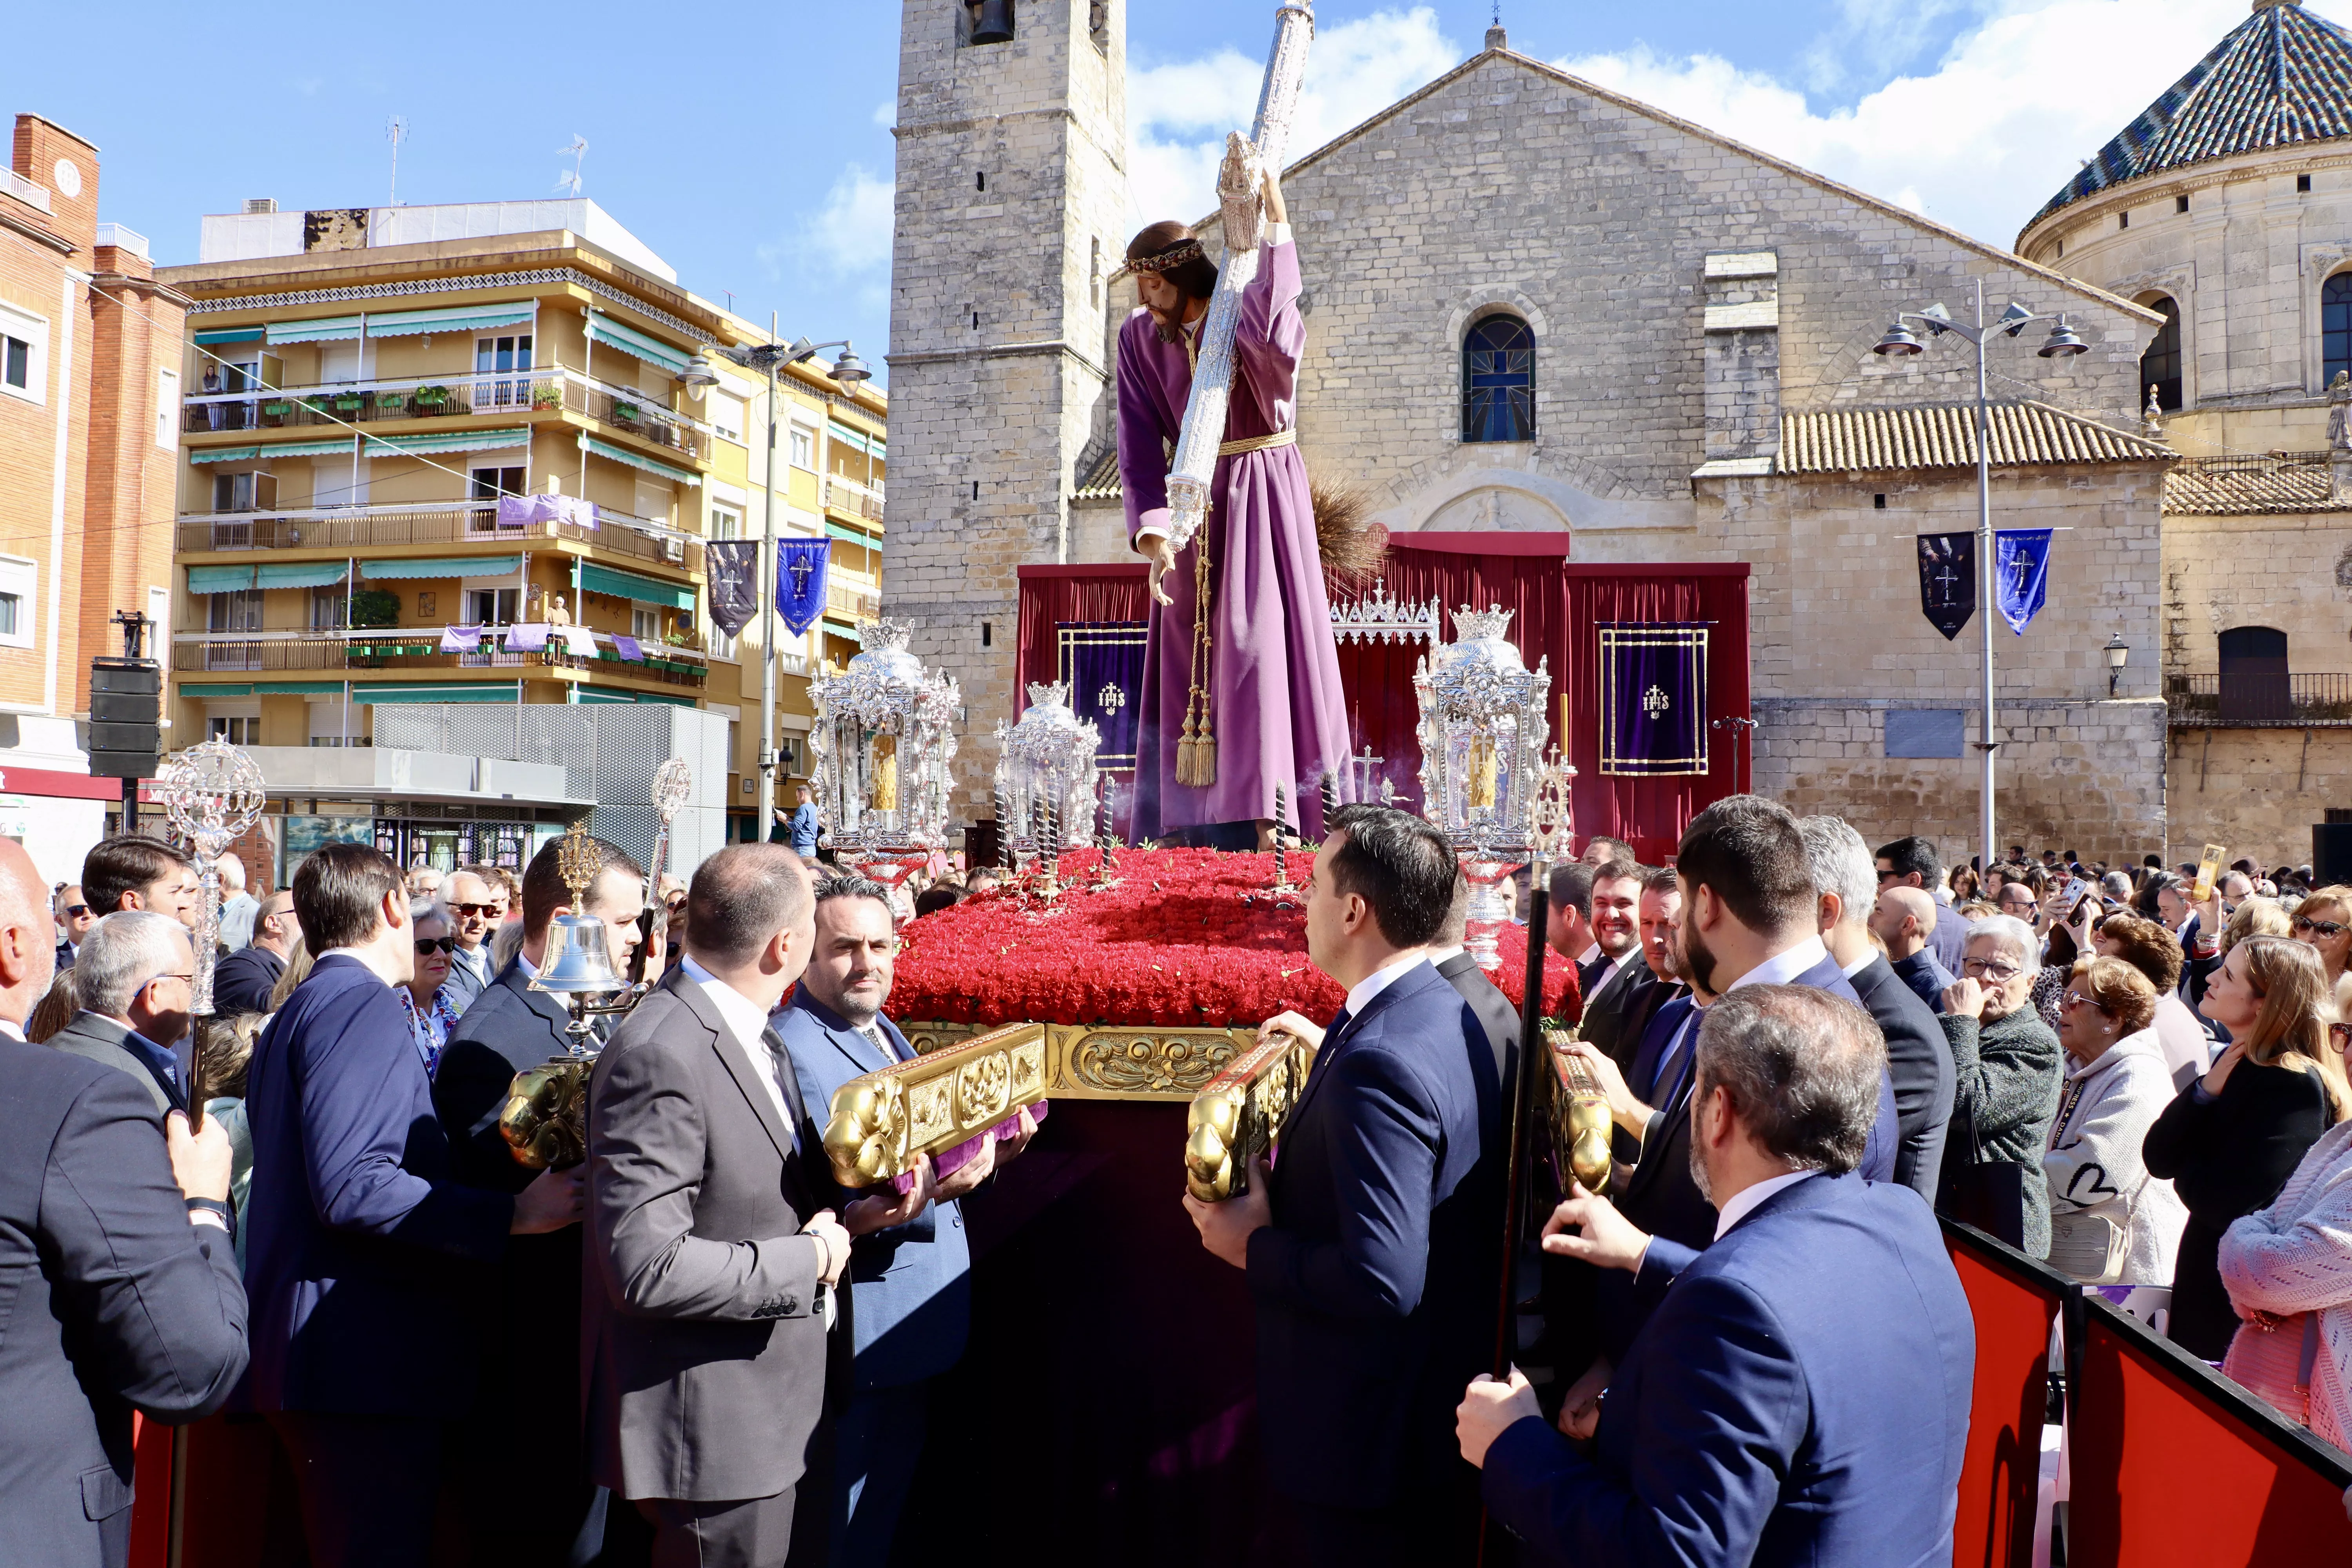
(2209, 865)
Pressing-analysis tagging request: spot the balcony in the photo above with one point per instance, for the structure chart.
(858, 604)
(403, 647)
(549, 389)
(2266, 699)
(857, 500)
(431, 522)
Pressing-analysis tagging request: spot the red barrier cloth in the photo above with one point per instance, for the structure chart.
(2013, 1303)
(1557, 608)
(151, 1492)
(2173, 1466)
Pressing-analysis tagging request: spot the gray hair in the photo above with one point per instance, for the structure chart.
(2011, 933)
(428, 907)
(849, 885)
(123, 951)
(1842, 865)
(1802, 1069)
(231, 871)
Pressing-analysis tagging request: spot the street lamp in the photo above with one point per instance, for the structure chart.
(769, 359)
(2118, 655)
(2063, 342)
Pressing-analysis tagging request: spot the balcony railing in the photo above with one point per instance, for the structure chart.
(24, 190)
(858, 604)
(849, 496)
(2262, 699)
(544, 389)
(417, 648)
(431, 522)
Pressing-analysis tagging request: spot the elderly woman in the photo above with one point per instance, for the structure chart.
(2005, 1084)
(2229, 1141)
(432, 1012)
(2324, 922)
(2151, 947)
(2288, 1270)
(2111, 1221)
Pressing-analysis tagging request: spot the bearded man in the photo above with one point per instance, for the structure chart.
(1241, 676)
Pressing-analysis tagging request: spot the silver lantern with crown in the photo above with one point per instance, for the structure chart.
(884, 745)
(1482, 736)
(1046, 780)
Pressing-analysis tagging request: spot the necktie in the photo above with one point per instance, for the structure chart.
(1666, 1071)
(780, 1060)
(1338, 1027)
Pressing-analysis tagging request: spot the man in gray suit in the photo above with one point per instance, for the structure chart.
(910, 1269)
(709, 1282)
(136, 978)
(475, 910)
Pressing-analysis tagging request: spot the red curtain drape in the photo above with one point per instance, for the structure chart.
(1557, 608)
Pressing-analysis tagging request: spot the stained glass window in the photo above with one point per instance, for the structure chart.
(1498, 381)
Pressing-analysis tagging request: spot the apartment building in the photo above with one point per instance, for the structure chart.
(89, 392)
(455, 454)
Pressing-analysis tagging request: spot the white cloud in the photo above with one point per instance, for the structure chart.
(2006, 118)
(848, 239)
(1179, 111)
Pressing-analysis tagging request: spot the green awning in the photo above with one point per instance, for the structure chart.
(857, 440)
(843, 531)
(834, 629)
(318, 329)
(298, 689)
(587, 694)
(216, 689)
(223, 453)
(339, 448)
(629, 340)
(298, 573)
(454, 318)
(447, 691)
(441, 566)
(219, 579)
(595, 579)
(450, 441)
(622, 455)
(229, 335)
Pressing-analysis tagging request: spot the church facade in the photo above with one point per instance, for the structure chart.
(1536, 305)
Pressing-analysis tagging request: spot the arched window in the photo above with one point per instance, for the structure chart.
(1498, 381)
(2161, 366)
(2336, 326)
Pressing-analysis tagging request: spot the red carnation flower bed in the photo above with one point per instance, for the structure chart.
(1174, 946)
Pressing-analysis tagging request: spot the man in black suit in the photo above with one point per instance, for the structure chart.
(533, 1317)
(74, 917)
(1496, 1016)
(1918, 1060)
(1905, 919)
(135, 981)
(116, 1263)
(715, 1345)
(1616, 972)
(1911, 863)
(1661, 982)
(245, 979)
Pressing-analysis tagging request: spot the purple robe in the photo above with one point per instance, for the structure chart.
(1274, 698)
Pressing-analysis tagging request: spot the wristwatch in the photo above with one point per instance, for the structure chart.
(199, 1209)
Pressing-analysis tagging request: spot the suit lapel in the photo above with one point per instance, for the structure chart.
(737, 1061)
(1333, 1046)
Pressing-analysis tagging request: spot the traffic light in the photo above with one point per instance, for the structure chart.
(126, 707)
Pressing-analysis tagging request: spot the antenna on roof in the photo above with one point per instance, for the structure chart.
(395, 128)
(569, 180)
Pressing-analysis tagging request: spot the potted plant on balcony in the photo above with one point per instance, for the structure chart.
(546, 397)
(432, 399)
(390, 402)
(277, 411)
(626, 412)
(350, 402)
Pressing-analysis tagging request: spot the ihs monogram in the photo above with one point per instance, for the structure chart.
(1653, 701)
(1110, 699)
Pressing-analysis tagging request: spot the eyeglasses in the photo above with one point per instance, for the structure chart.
(489, 912)
(2021, 903)
(167, 974)
(2329, 929)
(2340, 1036)
(2077, 999)
(426, 944)
(1993, 969)
(77, 910)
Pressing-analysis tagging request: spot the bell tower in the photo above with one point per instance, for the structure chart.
(1012, 211)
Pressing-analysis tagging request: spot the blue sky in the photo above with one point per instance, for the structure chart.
(748, 145)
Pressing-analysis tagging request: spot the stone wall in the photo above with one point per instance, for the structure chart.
(2258, 792)
(2294, 573)
(2086, 776)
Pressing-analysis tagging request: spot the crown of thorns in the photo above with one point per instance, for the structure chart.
(1173, 256)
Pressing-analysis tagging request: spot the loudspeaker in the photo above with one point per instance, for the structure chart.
(126, 705)
(2331, 852)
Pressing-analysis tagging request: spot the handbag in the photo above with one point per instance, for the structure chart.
(1987, 1194)
(2088, 1247)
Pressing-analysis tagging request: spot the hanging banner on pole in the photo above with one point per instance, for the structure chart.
(800, 581)
(734, 568)
(2021, 558)
(1948, 581)
(1653, 698)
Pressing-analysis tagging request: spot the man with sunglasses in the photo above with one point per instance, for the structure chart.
(475, 907)
(74, 917)
(246, 979)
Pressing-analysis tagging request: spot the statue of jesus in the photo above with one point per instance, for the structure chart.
(1241, 674)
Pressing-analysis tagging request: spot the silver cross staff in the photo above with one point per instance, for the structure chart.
(213, 793)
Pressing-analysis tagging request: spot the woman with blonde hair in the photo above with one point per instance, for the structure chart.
(2112, 1221)
(2323, 921)
(297, 969)
(2229, 1141)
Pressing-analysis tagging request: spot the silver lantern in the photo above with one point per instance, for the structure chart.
(884, 744)
(1046, 776)
(1482, 736)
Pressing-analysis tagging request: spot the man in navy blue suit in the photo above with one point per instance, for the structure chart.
(1800, 1393)
(366, 1256)
(910, 1262)
(1373, 1247)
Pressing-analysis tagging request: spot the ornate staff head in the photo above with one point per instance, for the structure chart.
(213, 794)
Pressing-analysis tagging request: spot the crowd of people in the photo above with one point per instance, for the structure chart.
(302, 1208)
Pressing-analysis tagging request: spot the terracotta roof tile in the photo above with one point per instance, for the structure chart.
(2224, 487)
(1944, 436)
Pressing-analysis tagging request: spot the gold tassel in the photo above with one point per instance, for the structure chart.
(1196, 752)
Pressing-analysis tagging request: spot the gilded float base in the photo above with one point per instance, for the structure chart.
(1110, 1061)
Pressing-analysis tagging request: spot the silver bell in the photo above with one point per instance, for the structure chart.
(579, 960)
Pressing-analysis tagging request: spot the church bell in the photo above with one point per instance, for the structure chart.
(993, 24)
(579, 959)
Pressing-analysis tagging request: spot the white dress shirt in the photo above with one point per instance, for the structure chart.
(1361, 994)
(1743, 1203)
(1783, 967)
(749, 1026)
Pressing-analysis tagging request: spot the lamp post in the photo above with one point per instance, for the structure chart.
(1901, 343)
(2118, 655)
(769, 359)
